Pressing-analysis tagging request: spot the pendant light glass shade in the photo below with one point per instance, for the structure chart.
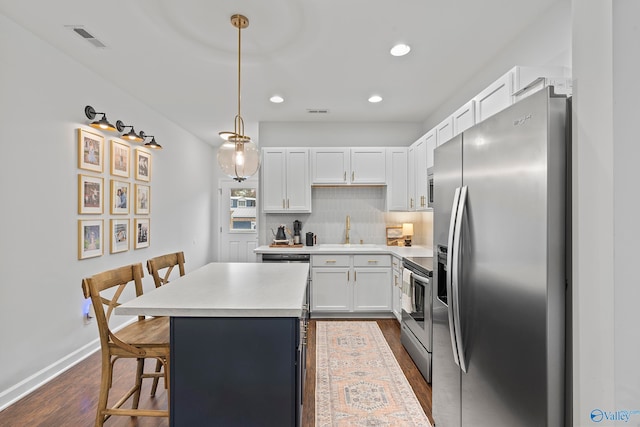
(239, 160)
(238, 156)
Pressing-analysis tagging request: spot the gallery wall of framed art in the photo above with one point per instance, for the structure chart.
(113, 206)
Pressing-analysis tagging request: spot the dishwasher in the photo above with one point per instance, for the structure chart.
(304, 319)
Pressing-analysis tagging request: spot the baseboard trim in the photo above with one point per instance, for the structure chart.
(16, 392)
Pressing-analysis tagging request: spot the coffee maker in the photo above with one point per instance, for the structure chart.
(297, 226)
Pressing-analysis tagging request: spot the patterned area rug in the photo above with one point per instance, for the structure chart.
(359, 381)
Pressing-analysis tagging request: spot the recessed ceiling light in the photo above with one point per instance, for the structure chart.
(375, 98)
(276, 99)
(400, 49)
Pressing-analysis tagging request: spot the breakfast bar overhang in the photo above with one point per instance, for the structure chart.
(237, 342)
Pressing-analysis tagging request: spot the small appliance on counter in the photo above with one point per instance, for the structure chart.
(311, 239)
(297, 226)
(280, 237)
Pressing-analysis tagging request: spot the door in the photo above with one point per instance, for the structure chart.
(238, 221)
(446, 379)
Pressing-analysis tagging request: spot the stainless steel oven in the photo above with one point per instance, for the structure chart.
(417, 313)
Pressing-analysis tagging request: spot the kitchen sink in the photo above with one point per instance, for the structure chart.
(347, 245)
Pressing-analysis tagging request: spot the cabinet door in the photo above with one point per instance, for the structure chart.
(397, 189)
(330, 289)
(444, 131)
(464, 118)
(396, 296)
(495, 97)
(298, 186)
(273, 180)
(368, 166)
(330, 165)
(371, 290)
(431, 145)
(421, 175)
(411, 177)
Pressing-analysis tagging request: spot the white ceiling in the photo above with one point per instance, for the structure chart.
(180, 57)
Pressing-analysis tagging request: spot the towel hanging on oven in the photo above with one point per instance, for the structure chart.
(408, 299)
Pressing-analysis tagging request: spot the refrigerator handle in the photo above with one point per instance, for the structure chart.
(450, 301)
(455, 283)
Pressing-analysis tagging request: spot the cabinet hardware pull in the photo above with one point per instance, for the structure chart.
(411, 202)
(283, 204)
(355, 276)
(353, 176)
(329, 261)
(345, 176)
(372, 261)
(287, 203)
(348, 276)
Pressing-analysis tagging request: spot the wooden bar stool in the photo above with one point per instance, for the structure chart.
(160, 269)
(168, 261)
(146, 338)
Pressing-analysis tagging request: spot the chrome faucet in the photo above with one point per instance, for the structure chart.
(348, 228)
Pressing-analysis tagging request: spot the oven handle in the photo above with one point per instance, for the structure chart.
(450, 240)
(419, 278)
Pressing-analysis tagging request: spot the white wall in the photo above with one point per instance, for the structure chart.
(606, 64)
(547, 42)
(338, 134)
(42, 98)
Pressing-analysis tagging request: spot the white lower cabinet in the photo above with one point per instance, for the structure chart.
(350, 283)
(396, 290)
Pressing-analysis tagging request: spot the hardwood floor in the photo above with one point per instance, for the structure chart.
(71, 398)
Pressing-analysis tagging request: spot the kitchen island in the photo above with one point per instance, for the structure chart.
(237, 348)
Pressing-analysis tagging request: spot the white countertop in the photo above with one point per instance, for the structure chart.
(227, 290)
(400, 251)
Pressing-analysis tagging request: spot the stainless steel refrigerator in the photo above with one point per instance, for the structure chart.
(499, 285)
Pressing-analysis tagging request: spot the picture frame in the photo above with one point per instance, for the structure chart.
(143, 199)
(120, 196)
(143, 165)
(142, 230)
(120, 159)
(394, 235)
(90, 151)
(90, 238)
(119, 230)
(90, 194)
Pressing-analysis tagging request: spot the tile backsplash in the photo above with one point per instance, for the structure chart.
(365, 206)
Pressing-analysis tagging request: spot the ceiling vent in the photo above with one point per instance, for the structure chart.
(317, 111)
(79, 30)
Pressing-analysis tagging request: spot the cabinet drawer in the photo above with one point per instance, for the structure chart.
(372, 261)
(330, 261)
(396, 263)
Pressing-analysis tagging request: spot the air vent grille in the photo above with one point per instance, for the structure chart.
(317, 111)
(79, 30)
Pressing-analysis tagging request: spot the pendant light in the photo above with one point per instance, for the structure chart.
(238, 156)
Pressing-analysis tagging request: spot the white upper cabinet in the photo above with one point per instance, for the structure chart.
(444, 131)
(464, 117)
(411, 177)
(330, 165)
(368, 166)
(335, 166)
(421, 174)
(431, 145)
(285, 180)
(397, 179)
(496, 97)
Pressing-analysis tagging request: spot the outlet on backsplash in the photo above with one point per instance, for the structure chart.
(365, 208)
